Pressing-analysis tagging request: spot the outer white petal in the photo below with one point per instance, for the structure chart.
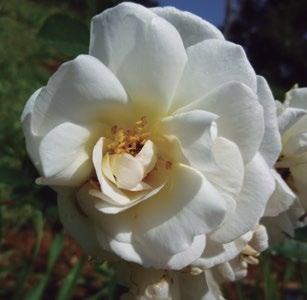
(120, 232)
(61, 146)
(144, 51)
(193, 130)
(259, 242)
(32, 139)
(74, 174)
(145, 256)
(80, 227)
(271, 145)
(81, 91)
(199, 287)
(229, 172)
(280, 107)
(186, 257)
(297, 98)
(296, 145)
(216, 253)
(110, 40)
(297, 125)
(257, 188)
(188, 206)
(299, 173)
(191, 28)
(291, 116)
(281, 199)
(233, 270)
(126, 231)
(148, 284)
(283, 225)
(240, 116)
(210, 64)
(108, 228)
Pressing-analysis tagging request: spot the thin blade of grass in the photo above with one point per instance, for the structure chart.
(1, 224)
(70, 281)
(270, 284)
(304, 278)
(289, 272)
(56, 247)
(239, 291)
(102, 293)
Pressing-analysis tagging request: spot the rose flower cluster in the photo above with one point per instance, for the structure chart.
(169, 155)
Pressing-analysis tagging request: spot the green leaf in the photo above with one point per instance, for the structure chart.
(292, 249)
(301, 234)
(13, 177)
(67, 34)
(56, 247)
(70, 281)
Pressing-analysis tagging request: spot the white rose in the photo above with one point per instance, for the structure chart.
(149, 284)
(293, 129)
(285, 211)
(154, 141)
(191, 282)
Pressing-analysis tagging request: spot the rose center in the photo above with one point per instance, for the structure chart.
(129, 141)
(130, 156)
(131, 160)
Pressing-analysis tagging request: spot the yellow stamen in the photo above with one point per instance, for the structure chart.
(249, 255)
(129, 141)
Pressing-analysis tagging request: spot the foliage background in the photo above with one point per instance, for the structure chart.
(37, 259)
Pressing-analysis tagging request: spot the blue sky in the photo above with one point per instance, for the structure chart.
(211, 10)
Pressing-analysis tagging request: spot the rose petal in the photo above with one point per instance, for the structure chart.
(257, 188)
(187, 207)
(81, 91)
(229, 172)
(291, 117)
(73, 175)
(281, 199)
(127, 170)
(210, 64)
(193, 130)
(217, 253)
(271, 144)
(240, 116)
(297, 98)
(80, 227)
(32, 139)
(191, 28)
(148, 157)
(61, 146)
(109, 191)
(144, 51)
